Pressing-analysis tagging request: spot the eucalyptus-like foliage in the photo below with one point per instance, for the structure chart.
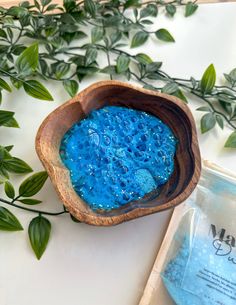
(45, 41)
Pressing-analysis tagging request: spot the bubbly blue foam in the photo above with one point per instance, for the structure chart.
(117, 155)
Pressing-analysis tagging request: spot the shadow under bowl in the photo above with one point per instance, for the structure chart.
(171, 110)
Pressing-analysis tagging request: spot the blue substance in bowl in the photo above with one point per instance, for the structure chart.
(117, 155)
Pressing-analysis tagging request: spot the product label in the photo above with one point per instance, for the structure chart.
(211, 268)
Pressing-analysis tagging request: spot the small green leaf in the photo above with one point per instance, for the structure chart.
(9, 148)
(208, 121)
(90, 7)
(208, 80)
(232, 74)
(179, 93)
(3, 33)
(9, 190)
(231, 141)
(11, 123)
(190, 9)
(204, 108)
(28, 60)
(4, 85)
(130, 3)
(71, 87)
(37, 90)
(170, 88)
(97, 34)
(153, 66)
(143, 58)
(170, 9)
(149, 10)
(16, 83)
(16, 165)
(5, 116)
(220, 121)
(109, 70)
(61, 70)
(164, 35)
(90, 56)
(122, 63)
(8, 222)
(139, 39)
(39, 232)
(33, 184)
(30, 201)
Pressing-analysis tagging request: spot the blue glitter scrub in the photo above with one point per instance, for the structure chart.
(117, 155)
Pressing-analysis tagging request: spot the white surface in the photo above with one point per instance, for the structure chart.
(85, 265)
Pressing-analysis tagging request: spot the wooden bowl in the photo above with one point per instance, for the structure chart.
(169, 109)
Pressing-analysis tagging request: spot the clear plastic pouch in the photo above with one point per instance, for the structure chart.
(197, 261)
(200, 268)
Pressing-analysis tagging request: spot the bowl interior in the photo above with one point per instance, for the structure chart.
(78, 108)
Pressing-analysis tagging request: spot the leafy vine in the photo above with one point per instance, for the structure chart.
(62, 43)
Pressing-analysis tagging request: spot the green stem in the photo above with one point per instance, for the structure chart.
(32, 210)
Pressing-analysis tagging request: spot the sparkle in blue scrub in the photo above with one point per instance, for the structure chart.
(117, 155)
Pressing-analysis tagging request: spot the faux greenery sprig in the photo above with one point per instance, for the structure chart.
(37, 42)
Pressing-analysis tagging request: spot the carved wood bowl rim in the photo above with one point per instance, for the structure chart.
(53, 128)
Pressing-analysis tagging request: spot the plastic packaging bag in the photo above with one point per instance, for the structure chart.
(200, 266)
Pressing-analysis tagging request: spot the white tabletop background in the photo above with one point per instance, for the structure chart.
(85, 265)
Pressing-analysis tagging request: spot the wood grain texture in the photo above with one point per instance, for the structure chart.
(9, 3)
(169, 109)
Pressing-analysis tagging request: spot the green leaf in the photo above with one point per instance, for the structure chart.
(122, 64)
(170, 9)
(153, 66)
(204, 108)
(115, 37)
(130, 3)
(90, 56)
(220, 121)
(97, 34)
(61, 70)
(164, 35)
(16, 165)
(16, 83)
(90, 7)
(3, 33)
(45, 2)
(179, 93)
(71, 86)
(30, 201)
(232, 74)
(11, 123)
(9, 190)
(39, 232)
(109, 70)
(149, 10)
(8, 222)
(208, 121)
(208, 80)
(5, 116)
(4, 85)
(190, 9)
(37, 90)
(9, 147)
(139, 39)
(33, 184)
(231, 141)
(143, 59)
(27, 62)
(170, 88)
